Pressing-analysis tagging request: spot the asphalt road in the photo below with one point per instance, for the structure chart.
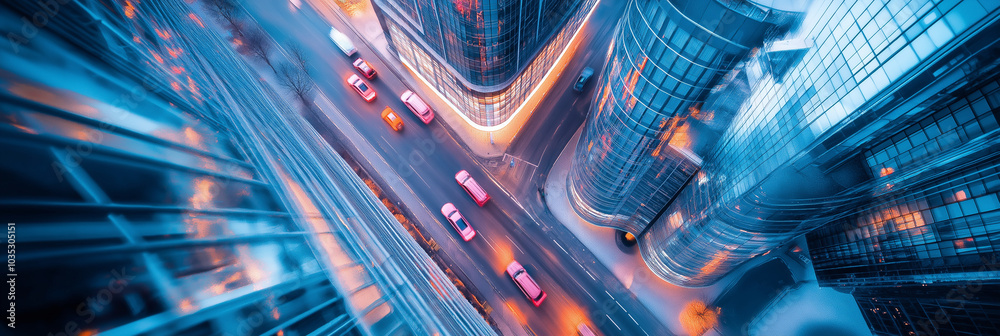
(563, 111)
(426, 158)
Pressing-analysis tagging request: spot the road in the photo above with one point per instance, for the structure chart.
(426, 157)
(563, 111)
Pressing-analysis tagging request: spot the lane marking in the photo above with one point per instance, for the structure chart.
(515, 245)
(564, 250)
(613, 321)
(490, 245)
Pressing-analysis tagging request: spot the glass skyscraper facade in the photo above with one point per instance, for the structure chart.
(920, 256)
(485, 57)
(148, 198)
(966, 309)
(794, 158)
(638, 149)
(826, 117)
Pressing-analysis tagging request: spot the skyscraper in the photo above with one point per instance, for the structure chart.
(920, 255)
(145, 206)
(820, 97)
(485, 57)
(638, 148)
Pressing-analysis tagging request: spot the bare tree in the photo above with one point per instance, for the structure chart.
(297, 55)
(296, 80)
(229, 12)
(256, 43)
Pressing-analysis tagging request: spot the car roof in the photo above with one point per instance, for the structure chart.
(513, 267)
(528, 284)
(416, 101)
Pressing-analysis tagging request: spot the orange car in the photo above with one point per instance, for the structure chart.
(392, 119)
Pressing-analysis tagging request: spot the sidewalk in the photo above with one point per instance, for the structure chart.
(665, 300)
(808, 309)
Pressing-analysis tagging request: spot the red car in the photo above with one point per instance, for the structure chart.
(361, 87)
(526, 283)
(364, 68)
(458, 221)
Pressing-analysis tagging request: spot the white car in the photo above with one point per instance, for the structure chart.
(343, 42)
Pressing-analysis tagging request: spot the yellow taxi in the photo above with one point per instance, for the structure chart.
(392, 119)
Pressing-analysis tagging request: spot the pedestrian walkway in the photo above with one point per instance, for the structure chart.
(666, 300)
(662, 298)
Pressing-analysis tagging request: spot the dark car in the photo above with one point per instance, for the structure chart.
(584, 77)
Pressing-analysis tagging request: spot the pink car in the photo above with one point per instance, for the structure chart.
(465, 180)
(361, 87)
(526, 283)
(418, 106)
(458, 221)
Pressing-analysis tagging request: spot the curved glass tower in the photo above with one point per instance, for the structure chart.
(811, 141)
(782, 138)
(636, 151)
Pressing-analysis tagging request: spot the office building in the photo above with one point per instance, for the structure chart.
(795, 157)
(965, 308)
(637, 150)
(484, 57)
(799, 152)
(148, 198)
(920, 254)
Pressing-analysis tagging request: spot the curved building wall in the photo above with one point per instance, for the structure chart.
(483, 57)
(633, 156)
(794, 158)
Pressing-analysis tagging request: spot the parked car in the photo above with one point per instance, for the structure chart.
(343, 42)
(418, 106)
(390, 117)
(584, 77)
(364, 68)
(361, 87)
(469, 184)
(526, 283)
(458, 221)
